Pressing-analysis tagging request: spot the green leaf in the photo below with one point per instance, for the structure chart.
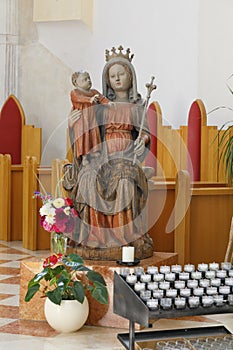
(38, 277)
(100, 293)
(75, 258)
(32, 291)
(95, 277)
(78, 291)
(55, 296)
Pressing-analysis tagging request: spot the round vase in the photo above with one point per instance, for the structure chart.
(58, 243)
(67, 317)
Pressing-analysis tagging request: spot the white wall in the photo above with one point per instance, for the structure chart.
(216, 58)
(186, 44)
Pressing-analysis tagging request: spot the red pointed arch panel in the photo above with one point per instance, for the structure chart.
(11, 122)
(152, 117)
(196, 118)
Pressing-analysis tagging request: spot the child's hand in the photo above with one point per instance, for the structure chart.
(95, 98)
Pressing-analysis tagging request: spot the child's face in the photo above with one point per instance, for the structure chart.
(84, 81)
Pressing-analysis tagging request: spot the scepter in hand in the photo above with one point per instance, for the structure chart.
(150, 87)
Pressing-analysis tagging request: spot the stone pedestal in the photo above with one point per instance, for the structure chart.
(100, 315)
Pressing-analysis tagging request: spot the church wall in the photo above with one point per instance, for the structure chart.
(171, 40)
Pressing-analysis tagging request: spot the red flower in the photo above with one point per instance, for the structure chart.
(69, 202)
(52, 260)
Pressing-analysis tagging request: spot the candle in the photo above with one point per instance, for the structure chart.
(230, 299)
(221, 273)
(216, 282)
(214, 266)
(131, 279)
(180, 303)
(179, 284)
(152, 285)
(158, 277)
(204, 283)
(196, 275)
(152, 270)
(165, 269)
(176, 268)
(207, 300)
(185, 292)
(127, 254)
(189, 268)
(138, 270)
(210, 274)
(170, 276)
(139, 286)
(198, 291)
(183, 276)
(166, 303)
(124, 271)
(229, 281)
(202, 267)
(224, 290)
(145, 278)
(219, 300)
(194, 301)
(152, 304)
(230, 273)
(145, 294)
(211, 291)
(164, 285)
(192, 283)
(226, 265)
(158, 293)
(171, 293)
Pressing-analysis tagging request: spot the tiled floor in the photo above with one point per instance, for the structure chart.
(18, 334)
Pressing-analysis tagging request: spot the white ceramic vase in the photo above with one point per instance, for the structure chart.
(67, 317)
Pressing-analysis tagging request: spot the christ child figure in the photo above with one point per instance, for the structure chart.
(86, 129)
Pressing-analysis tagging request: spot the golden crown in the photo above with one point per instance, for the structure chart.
(114, 54)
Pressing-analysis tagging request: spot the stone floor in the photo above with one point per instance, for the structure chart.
(16, 334)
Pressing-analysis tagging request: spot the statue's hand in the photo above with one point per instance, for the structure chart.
(139, 146)
(74, 116)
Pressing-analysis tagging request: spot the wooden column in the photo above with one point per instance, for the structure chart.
(5, 197)
(182, 217)
(29, 204)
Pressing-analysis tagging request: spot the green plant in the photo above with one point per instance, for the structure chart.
(66, 278)
(225, 146)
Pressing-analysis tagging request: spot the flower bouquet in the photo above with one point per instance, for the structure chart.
(58, 216)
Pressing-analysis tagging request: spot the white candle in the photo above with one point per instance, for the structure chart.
(215, 282)
(214, 266)
(192, 283)
(226, 265)
(152, 285)
(127, 254)
(165, 269)
(176, 268)
(152, 270)
(171, 293)
(131, 279)
(145, 278)
(158, 277)
(207, 300)
(152, 304)
(180, 303)
(189, 268)
(202, 267)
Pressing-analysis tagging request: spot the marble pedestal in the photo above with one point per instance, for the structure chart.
(100, 315)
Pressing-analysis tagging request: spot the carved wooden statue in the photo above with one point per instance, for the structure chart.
(110, 191)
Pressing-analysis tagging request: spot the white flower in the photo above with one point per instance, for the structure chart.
(45, 209)
(50, 218)
(58, 202)
(67, 211)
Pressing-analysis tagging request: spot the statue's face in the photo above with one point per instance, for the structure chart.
(119, 78)
(83, 81)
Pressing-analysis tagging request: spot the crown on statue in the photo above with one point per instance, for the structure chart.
(120, 53)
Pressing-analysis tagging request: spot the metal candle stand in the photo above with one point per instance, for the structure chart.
(128, 304)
